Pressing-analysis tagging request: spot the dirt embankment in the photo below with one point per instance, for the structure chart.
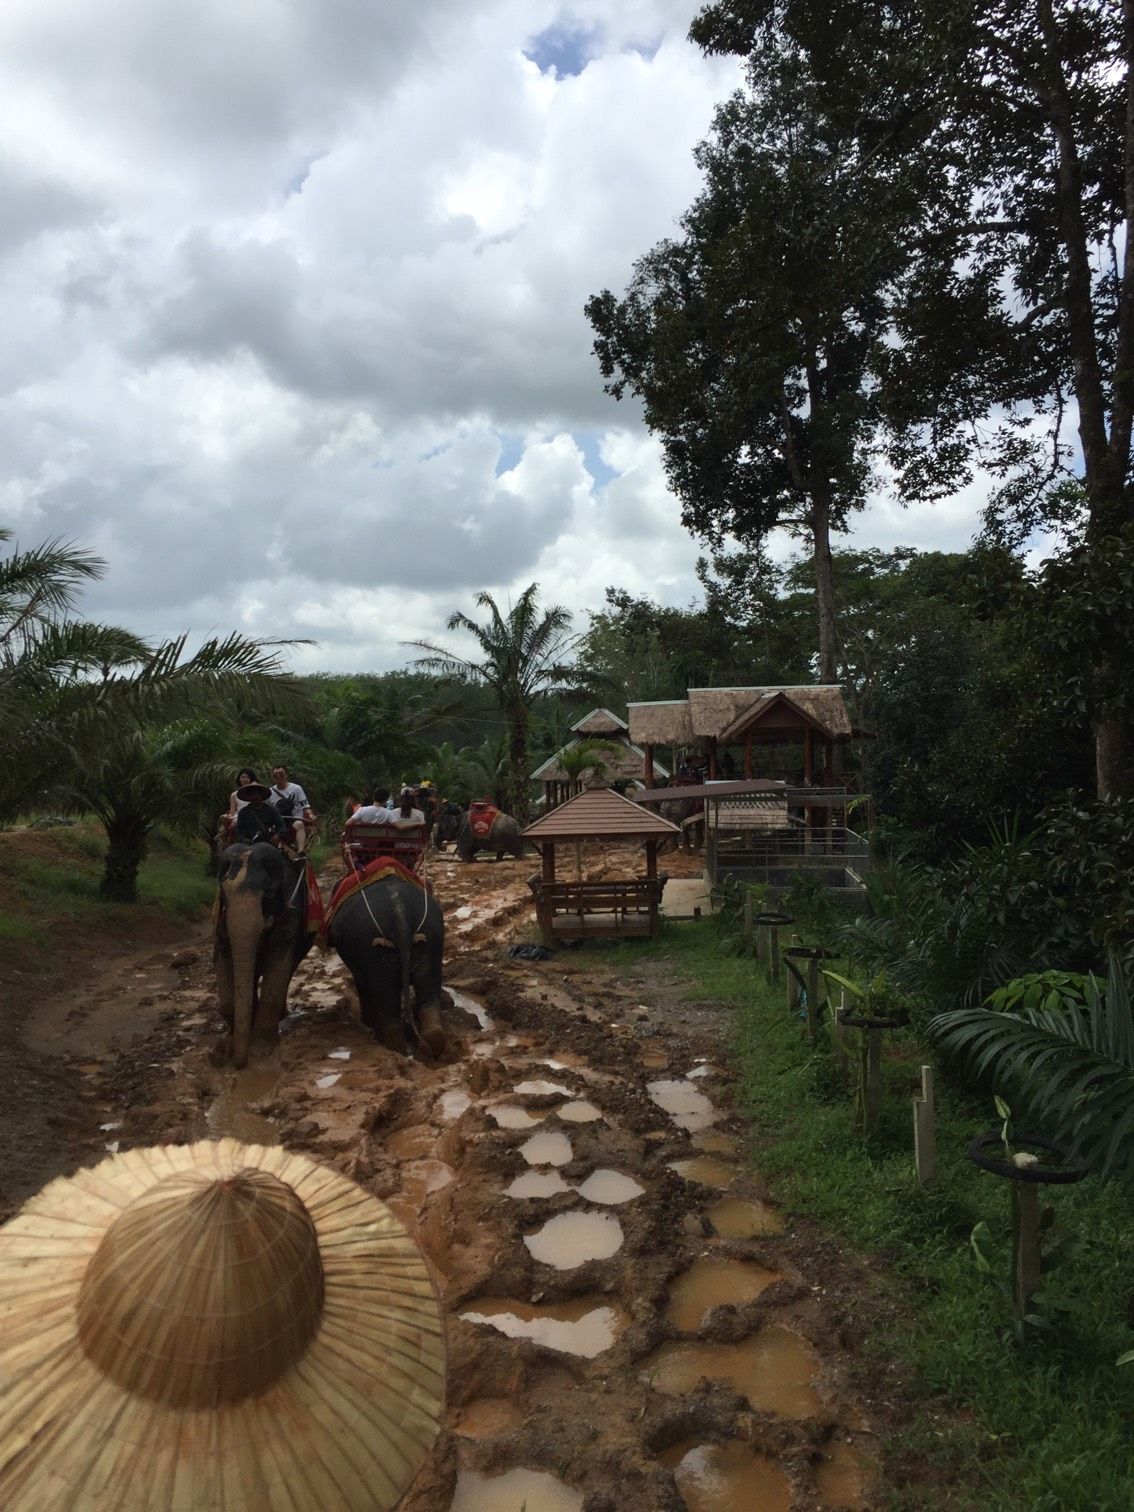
(632, 1326)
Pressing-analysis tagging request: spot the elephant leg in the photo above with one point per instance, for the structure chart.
(426, 983)
(226, 988)
(278, 968)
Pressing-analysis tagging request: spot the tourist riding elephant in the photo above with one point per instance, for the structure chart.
(260, 938)
(504, 835)
(391, 934)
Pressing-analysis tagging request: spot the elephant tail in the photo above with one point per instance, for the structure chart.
(405, 950)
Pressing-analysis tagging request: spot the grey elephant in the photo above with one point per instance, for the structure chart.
(504, 835)
(391, 934)
(677, 810)
(259, 939)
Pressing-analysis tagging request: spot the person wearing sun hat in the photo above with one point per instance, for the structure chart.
(259, 819)
(214, 1326)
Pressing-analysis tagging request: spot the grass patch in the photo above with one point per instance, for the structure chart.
(1040, 1427)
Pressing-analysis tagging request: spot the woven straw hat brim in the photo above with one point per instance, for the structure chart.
(347, 1427)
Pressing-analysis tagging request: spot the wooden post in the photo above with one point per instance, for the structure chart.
(547, 856)
(774, 952)
(808, 756)
(792, 983)
(748, 754)
(924, 1131)
(648, 764)
(813, 1001)
(712, 744)
(842, 1060)
(829, 765)
(652, 873)
(1026, 1243)
(748, 918)
(872, 1081)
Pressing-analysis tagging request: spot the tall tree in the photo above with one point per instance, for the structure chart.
(522, 653)
(754, 339)
(1017, 292)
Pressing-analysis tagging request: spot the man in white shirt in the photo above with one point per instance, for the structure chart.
(290, 801)
(373, 813)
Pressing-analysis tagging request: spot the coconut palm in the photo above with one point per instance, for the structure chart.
(575, 761)
(523, 653)
(1072, 1065)
(152, 740)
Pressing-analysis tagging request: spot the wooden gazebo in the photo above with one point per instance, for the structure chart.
(617, 909)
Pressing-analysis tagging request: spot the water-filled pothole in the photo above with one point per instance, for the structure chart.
(514, 1491)
(689, 1108)
(571, 1239)
(579, 1112)
(727, 1478)
(329, 1080)
(470, 1005)
(421, 1178)
(712, 1143)
(547, 1148)
(585, 1327)
(610, 1188)
(714, 1283)
(774, 1370)
(843, 1478)
(541, 1088)
(706, 1170)
(231, 1114)
(508, 1116)
(453, 1103)
(537, 1184)
(744, 1218)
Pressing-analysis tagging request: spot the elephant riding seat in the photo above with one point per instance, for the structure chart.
(260, 936)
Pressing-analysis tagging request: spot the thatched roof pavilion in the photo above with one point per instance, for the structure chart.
(813, 716)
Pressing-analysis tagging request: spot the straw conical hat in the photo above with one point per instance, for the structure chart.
(213, 1326)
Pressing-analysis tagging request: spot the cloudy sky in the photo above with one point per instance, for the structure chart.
(293, 292)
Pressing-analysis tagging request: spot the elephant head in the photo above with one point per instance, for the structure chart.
(259, 941)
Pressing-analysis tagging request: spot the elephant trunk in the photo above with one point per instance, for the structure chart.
(245, 923)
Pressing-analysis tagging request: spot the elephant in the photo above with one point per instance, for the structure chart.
(677, 810)
(391, 934)
(448, 825)
(503, 836)
(259, 939)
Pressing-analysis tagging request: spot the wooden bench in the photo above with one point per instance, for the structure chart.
(586, 910)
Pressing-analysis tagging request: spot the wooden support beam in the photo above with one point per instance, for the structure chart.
(748, 755)
(648, 765)
(548, 858)
(712, 744)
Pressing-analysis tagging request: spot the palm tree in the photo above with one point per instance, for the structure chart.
(523, 654)
(582, 757)
(1072, 1065)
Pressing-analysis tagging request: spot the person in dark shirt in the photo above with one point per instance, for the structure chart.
(259, 819)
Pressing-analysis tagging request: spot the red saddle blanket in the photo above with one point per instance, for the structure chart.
(482, 816)
(384, 866)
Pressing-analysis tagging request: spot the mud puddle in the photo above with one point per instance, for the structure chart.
(744, 1218)
(586, 1327)
(233, 1116)
(514, 1491)
(571, 1239)
(775, 1370)
(689, 1108)
(549, 1148)
(713, 1283)
(727, 1478)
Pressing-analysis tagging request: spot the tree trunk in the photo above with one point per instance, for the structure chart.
(125, 853)
(1110, 758)
(824, 582)
(518, 764)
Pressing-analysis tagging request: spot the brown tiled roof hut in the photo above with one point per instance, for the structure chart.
(583, 910)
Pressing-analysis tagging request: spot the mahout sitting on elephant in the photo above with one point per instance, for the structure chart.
(390, 931)
(485, 827)
(260, 936)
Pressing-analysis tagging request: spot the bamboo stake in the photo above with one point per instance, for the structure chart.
(925, 1131)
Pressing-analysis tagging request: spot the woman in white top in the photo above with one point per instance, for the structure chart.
(243, 778)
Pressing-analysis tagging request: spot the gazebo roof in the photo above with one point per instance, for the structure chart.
(719, 712)
(780, 714)
(600, 813)
(600, 722)
(624, 763)
(661, 723)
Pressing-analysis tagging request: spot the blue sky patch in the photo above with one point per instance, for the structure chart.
(563, 47)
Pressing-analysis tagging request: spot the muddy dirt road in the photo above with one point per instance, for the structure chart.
(633, 1327)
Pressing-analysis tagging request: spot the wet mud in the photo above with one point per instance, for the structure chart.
(633, 1326)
